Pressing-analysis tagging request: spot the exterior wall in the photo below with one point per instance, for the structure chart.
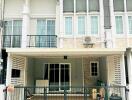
(43, 7)
(88, 79)
(30, 72)
(13, 8)
(103, 69)
(76, 69)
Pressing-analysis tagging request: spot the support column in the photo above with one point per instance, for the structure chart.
(123, 76)
(101, 22)
(25, 23)
(129, 61)
(8, 73)
(61, 24)
(112, 16)
(126, 27)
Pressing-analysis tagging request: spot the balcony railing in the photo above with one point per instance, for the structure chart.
(74, 93)
(11, 41)
(42, 41)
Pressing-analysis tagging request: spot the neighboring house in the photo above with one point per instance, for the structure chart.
(69, 46)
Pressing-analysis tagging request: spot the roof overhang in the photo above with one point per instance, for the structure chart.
(62, 52)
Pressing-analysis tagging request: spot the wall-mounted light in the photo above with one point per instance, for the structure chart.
(65, 57)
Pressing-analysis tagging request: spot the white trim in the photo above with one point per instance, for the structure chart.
(72, 34)
(97, 62)
(123, 23)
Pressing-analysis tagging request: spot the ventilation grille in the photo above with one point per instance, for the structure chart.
(18, 63)
(114, 64)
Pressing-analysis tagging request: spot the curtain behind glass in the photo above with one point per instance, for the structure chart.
(40, 40)
(119, 25)
(81, 5)
(94, 25)
(129, 5)
(81, 25)
(130, 24)
(119, 5)
(94, 5)
(7, 33)
(17, 31)
(68, 5)
(68, 25)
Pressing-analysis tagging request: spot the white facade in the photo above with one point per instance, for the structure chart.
(33, 15)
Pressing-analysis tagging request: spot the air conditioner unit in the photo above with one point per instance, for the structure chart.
(88, 42)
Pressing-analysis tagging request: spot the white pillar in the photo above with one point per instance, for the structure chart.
(129, 61)
(126, 27)
(25, 23)
(112, 16)
(8, 73)
(101, 31)
(61, 24)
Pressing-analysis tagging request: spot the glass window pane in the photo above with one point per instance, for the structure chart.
(94, 5)
(129, 5)
(68, 5)
(8, 28)
(50, 27)
(81, 25)
(81, 6)
(17, 27)
(118, 5)
(94, 25)
(41, 27)
(119, 24)
(130, 24)
(68, 25)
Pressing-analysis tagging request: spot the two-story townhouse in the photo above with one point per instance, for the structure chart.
(64, 49)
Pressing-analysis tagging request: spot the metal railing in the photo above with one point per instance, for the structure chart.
(11, 41)
(42, 41)
(73, 93)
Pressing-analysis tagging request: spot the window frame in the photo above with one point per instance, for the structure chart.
(46, 19)
(123, 31)
(59, 75)
(85, 28)
(91, 25)
(12, 30)
(130, 34)
(72, 34)
(97, 68)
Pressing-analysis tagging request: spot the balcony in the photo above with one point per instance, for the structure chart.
(42, 41)
(13, 41)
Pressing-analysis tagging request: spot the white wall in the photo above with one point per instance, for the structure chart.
(1, 92)
(13, 8)
(43, 7)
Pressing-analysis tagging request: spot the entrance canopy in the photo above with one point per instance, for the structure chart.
(62, 52)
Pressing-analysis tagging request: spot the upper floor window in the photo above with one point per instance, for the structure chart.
(119, 24)
(46, 27)
(94, 24)
(13, 27)
(68, 5)
(130, 24)
(68, 25)
(12, 33)
(129, 5)
(81, 25)
(118, 5)
(81, 5)
(45, 33)
(94, 5)
(94, 68)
